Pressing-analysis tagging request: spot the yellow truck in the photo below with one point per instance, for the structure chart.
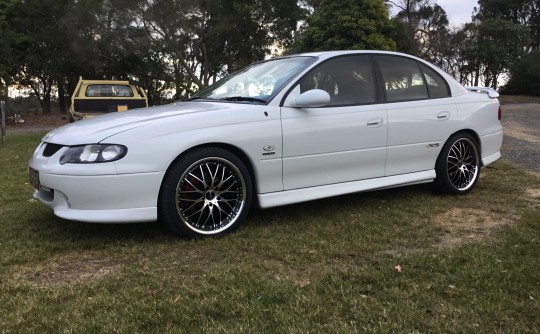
(96, 97)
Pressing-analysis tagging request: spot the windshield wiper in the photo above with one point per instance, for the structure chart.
(199, 98)
(243, 98)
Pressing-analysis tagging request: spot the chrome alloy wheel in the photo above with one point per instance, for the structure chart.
(463, 164)
(210, 195)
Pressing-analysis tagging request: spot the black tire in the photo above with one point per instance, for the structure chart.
(458, 165)
(205, 192)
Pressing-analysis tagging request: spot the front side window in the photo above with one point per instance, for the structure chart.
(348, 80)
(402, 79)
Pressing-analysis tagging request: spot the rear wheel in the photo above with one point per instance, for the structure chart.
(205, 192)
(458, 165)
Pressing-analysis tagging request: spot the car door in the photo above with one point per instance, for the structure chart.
(421, 114)
(342, 141)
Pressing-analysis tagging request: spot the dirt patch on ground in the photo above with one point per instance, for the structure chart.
(67, 270)
(33, 123)
(466, 225)
(515, 130)
(533, 196)
(534, 193)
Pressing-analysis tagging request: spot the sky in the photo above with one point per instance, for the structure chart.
(458, 11)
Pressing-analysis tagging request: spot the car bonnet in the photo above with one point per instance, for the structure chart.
(99, 128)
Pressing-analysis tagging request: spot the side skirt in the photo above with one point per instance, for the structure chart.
(307, 194)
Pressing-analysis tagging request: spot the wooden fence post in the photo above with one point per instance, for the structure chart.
(3, 121)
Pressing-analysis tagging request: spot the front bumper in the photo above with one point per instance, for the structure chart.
(101, 199)
(95, 192)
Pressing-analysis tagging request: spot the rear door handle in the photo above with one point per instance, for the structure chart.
(443, 115)
(375, 123)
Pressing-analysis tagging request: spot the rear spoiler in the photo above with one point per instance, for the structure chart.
(492, 93)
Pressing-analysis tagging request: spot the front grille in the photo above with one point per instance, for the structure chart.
(51, 149)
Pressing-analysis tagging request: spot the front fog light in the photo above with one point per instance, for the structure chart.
(94, 153)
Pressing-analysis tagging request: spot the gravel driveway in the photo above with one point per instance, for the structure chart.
(521, 145)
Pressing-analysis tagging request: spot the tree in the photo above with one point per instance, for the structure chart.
(524, 76)
(500, 42)
(39, 49)
(458, 58)
(346, 24)
(202, 40)
(524, 12)
(8, 37)
(58, 41)
(425, 25)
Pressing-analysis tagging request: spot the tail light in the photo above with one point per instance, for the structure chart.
(499, 114)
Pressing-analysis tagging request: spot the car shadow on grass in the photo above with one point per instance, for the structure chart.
(285, 216)
(335, 206)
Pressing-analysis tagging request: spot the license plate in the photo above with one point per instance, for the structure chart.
(34, 177)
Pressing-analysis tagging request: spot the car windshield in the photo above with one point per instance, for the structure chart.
(256, 83)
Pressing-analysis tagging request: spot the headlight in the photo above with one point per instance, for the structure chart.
(94, 153)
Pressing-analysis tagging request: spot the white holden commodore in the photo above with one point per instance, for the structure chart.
(282, 131)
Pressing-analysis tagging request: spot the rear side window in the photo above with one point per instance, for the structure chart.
(437, 86)
(407, 80)
(349, 80)
(109, 91)
(402, 78)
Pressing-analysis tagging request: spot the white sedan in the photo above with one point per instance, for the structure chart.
(282, 131)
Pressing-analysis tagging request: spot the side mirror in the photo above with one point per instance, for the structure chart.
(310, 99)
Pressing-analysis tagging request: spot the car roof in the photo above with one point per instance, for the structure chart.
(455, 87)
(330, 54)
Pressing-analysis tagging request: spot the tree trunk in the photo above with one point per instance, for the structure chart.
(47, 103)
(62, 96)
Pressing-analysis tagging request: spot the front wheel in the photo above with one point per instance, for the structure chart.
(458, 165)
(205, 192)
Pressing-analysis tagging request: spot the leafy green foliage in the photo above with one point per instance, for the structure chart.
(182, 45)
(5, 43)
(525, 76)
(497, 44)
(425, 26)
(178, 45)
(507, 31)
(523, 12)
(203, 40)
(347, 24)
(40, 48)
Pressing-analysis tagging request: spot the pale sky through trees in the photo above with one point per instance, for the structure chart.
(458, 11)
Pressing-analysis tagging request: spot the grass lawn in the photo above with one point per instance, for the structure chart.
(468, 264)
